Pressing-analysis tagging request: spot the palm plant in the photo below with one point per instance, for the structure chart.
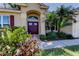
(65, 15)
(62, 17)
(51, 20)
(14, 6)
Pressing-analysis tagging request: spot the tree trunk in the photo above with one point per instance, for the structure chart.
(59, 33)
(58, 30)
(59, 27)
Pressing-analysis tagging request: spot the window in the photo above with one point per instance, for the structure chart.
(32, 18)
(0, 21)
(4, 21)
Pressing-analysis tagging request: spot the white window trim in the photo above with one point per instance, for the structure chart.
(2, 20)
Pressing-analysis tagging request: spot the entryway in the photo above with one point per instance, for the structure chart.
(33, 18)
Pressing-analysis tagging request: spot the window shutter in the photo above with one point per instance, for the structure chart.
(11, 21)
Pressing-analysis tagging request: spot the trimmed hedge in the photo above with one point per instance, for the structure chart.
(55, 36)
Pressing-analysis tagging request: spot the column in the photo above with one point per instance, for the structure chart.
(24, 16)
(24, 19)
(42, 24)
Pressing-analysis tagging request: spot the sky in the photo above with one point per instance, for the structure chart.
(53, 6)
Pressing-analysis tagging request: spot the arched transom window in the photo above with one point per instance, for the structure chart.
(32, 18)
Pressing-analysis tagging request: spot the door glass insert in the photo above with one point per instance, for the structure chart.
(30, 23)
(35, 23)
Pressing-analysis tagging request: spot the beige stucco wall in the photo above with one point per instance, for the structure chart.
(76, 26)
(42, 23)
(67, 29)
(76, 29)
(23, 16)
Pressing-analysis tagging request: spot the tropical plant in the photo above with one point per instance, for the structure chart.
(43, 37)
(28, 48)
(11, 39)
(15, 6)
(51, 36)
(51, 20)
(60, 18)
(65, 16)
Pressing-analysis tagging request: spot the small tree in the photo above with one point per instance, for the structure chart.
(51, 20)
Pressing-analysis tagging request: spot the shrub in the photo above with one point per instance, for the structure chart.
(29, 48)
(17, 36)
(68, 36)
(63, 35)
(43, 37)
(11, 38)
(51, 35)
(55, 36)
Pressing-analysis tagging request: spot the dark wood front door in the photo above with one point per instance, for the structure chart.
(33, 27)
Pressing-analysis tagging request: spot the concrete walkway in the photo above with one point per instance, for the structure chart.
(58, 43)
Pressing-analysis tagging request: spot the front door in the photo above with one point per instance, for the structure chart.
(33, 27)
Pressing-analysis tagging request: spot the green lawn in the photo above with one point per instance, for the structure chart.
(66, 51)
